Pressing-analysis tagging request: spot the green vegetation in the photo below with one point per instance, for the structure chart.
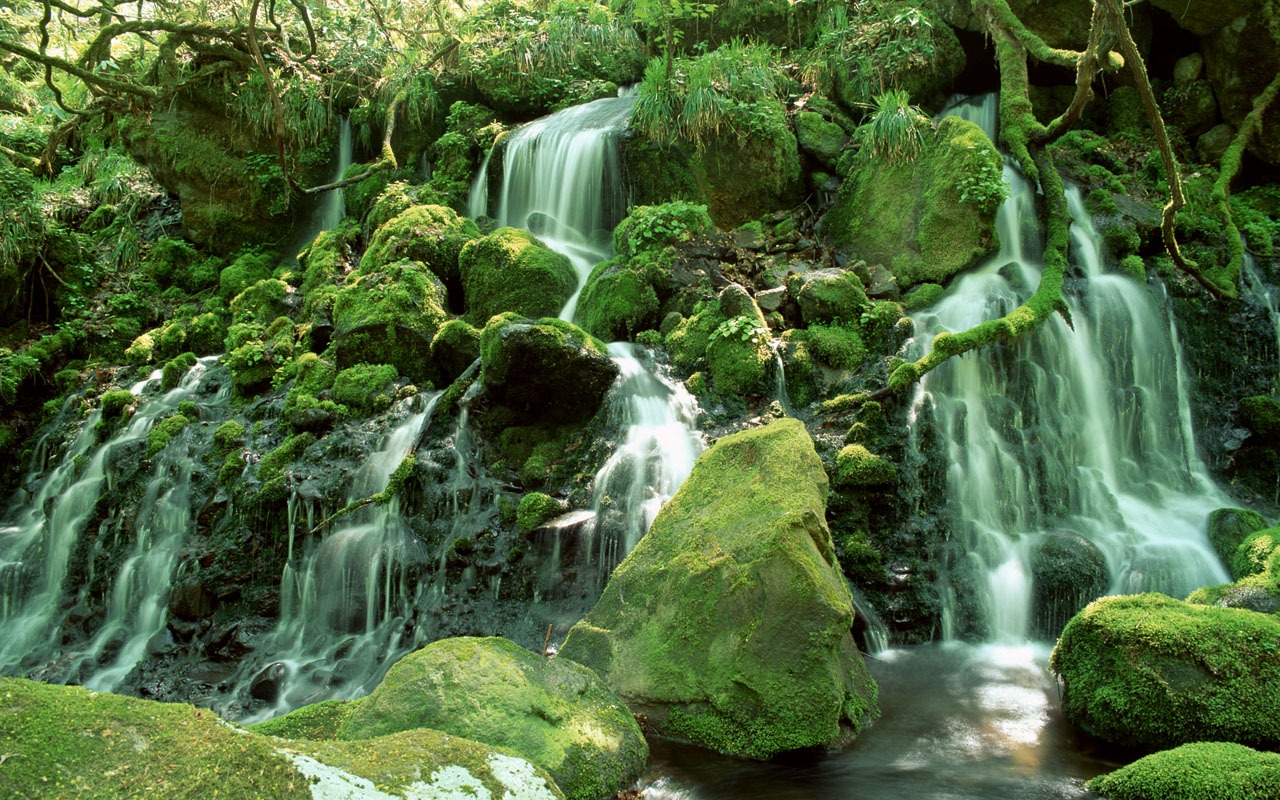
(512, 270)
(729, 621)
(1199, 771)
(536, 508)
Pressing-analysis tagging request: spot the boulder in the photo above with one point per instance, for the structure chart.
(618, 301)
(926, 219)
(1253, 556)
(829, 294)
(1151, 672)
(1190, 107)
(1201, 769)
(546, 371)
(821, 139)
(389, 314)
(1067, 573)
(512, 270)
(65, 741)
(454, 349)
(729, 624)
(1205, 18)
(432, 235)
(555, 713)
(1229, 527)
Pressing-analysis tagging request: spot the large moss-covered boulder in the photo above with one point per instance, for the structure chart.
(618, 301)
(1199, 771)
(65, 741)
(1151, 672)
(1061, 23)
(924, 219)
(433, 235)
(553, 712)
(545, 371)
(1229, 527)
(389, 316)
(738, 356)
(821, 139)
(729, 623)
(512, 270)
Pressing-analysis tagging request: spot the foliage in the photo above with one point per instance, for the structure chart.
(731, 91)
(895, 131)
(649, 229)
(873, 47)
(984, 187)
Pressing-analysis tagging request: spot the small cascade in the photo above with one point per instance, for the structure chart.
(345, 604)
(1074, 431)
(658, 451)
(331, 208)
(1268, 296)
(562, 181)
(36, 548)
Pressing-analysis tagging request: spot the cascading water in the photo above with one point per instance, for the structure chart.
(562, 180)
(346, 603)
(1268, 296)
(36, 549)
(332, 205)
(1076, 428)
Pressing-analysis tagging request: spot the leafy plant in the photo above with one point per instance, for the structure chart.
(895, 130)
(984, 187)
(867, 48)
(742, 328)
(661, 16)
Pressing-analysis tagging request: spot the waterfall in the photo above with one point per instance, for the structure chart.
(36, 548)
(562, 181)
(331, 208)
(1080, 430)
(345, 605)
(1267, 295)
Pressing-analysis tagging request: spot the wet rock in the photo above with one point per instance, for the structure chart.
(189, 600)
(1067, 573)
(1229, 527)
(266, 684)
(729, 625)
(771, 299)
(828, 294)
(553, 712)
(1214, 142)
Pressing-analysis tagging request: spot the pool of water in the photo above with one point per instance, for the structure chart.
(957, 722)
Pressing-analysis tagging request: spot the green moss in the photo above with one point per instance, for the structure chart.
(314, 722)
(828, 295)
(821, 139)
(163, 432)
(553, 712)
(205, 334)
(141, 351)
(1229, 527)
(688, 341)
(618, 301)
(455, 347)
(433, 235)
(1250, 558)
(914, 217)
(1199, 771)
(1150, 671)
(115, 403)
(651, 229)
(254, 353)
(261, 302)
(837, 345)
(922, 295)
(366, 388)
(738, 357)
(512, 270)
(1262, 416)
(65, 741)
(536, 508)
(228, 436)
(858, 466)
(245, 271)
(729, 622)
(174, 369)
(291, 449)
(389, 316)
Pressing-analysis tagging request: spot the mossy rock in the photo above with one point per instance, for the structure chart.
(242, 273)
(1151, 672)
(1067, 573)
(653, 228)
(910, 216)
(389, 316)
(536, 508)
(319, 721)
(1229, 527)
(1061, 23)
(858, 466)
(688, 340)
(738, 357)
(547, 371)
(746, 178)
(1254, 553)
(255, 352)
(553, 712)
(1205, 18)
(512, 270)
(433, 235)
(396, 198)
(839, 346)
(821, 139)
(1261, 414)
(366, 388)
(729, 623)
(1198, 771)
(455, 347)
(618, 301)
(261, 302)
(66, 741)
(830, 294)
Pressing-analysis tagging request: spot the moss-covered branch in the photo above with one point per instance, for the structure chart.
(999, 13)
(1228, 168)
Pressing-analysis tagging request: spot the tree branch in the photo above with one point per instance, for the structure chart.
(1229, 166)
